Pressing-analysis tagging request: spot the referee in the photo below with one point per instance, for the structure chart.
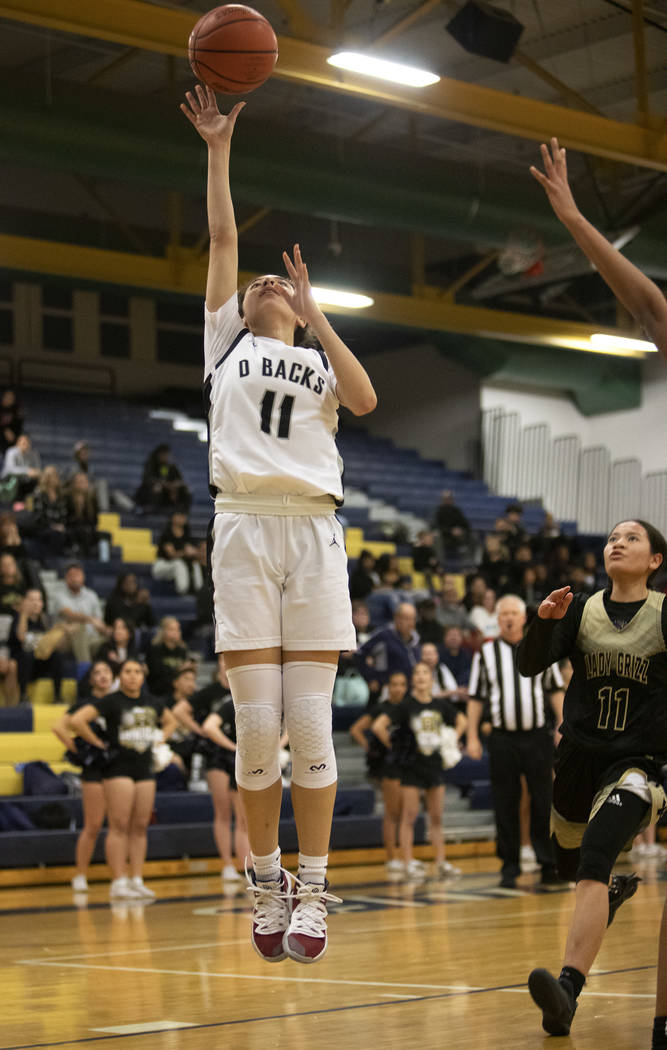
(520, 741)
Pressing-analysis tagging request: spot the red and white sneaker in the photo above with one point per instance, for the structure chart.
(306, 939)
(271, 915)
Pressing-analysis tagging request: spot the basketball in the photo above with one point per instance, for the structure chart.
(233, 49)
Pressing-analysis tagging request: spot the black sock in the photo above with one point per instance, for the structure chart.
(575, 979)
(659, 1034)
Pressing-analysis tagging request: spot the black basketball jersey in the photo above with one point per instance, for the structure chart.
(617, 698)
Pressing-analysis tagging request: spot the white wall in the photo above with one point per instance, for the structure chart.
(425, 402)
(637, 433)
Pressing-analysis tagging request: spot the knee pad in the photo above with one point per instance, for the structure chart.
(567, 860)
(257, 693)
(307, 691)
(616, 821)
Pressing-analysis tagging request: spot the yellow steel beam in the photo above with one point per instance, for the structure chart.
(182, 272)
(155, 28)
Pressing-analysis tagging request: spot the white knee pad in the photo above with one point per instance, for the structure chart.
(257, 693)
(307, 690)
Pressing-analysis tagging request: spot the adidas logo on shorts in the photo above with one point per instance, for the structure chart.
(615, 800)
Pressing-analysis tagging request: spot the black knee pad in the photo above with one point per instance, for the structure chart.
(567, 860)
(613, 825)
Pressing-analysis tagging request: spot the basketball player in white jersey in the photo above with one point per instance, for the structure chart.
(282, 608)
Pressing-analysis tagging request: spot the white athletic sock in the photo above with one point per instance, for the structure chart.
(267, 869)
(313, 869)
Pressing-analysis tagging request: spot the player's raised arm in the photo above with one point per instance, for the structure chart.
(216, 130)
(634, 289)
(355, 389)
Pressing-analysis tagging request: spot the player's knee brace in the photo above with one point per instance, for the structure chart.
(307, 690)
(615, 823)
(257, 693)
(567, 860)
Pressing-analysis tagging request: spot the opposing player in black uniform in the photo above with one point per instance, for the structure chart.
(134, 721)
(648, 306)
(380, 766)
(614, 741)
(91, 760)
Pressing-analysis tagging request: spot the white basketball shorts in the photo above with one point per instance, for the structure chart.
(280, 580)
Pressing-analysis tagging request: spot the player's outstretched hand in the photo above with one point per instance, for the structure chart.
(553, 181)
(556, 604)
(202, 111)
(301, 300)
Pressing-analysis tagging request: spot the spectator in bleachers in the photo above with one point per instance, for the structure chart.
(162, 483)
(496, 566)
(82, 510)
(178, 556)
(529, 589)
(183, 741)
(28, 647)
(82, 465)
(444, 683)
(347, 660)
(593, 576)
(453, 654)
(546, 536)
(363, 578)
(165, 656)
(424, 557)
(429, 627)
(484, 617)
(559, 565)
(50, 513)
(393, 648)
(383, 601)
(22, 463)
(452, 612)
(80, 608)
(476, 587)
(515, 533)
(129, 602)
(12, 585)
(452, 524)
(9, 684)
(11, 419)
(91, 761)
(119, 646)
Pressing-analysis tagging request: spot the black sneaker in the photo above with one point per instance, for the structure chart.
(556, 1001)
(621, 888)
(550, 877)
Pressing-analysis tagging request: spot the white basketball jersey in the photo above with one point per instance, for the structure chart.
(273, 412)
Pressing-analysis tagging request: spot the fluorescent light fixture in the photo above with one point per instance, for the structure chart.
(165, 413)
(370, 66)
(620, 342)
(335, 297)
(195, 426)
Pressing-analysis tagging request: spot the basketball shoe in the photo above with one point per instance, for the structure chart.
(305, 940)
(555, 999)
(271, 913)
(621, 888)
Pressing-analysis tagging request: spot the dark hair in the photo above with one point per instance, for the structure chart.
(400, 674)
(657, 543)
(302, 336)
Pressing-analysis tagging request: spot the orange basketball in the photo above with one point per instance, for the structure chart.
(233, 49)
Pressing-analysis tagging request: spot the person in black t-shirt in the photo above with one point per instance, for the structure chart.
(177, 556)
(135, 722)
(165, 656)
(608, 783)
(380, 767)
(119, 647)
(91, 760)
(162, 484)
(129, 602)
(417, 743)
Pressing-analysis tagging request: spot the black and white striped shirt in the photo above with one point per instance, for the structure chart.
(515, 702)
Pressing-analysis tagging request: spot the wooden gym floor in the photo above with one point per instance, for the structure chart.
(431, 965)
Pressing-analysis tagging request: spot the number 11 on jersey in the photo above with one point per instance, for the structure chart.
(284, 417)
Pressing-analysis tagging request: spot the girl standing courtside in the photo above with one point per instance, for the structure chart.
(91, 760)
(133, 720)
(282, 607)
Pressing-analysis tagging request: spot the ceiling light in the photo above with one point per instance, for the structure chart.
(370, 66)
(620, 342)
(334, 297)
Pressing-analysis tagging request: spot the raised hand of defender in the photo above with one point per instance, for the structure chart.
(553, 181)
(202, 111)
(301, 300)
(556, 604)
